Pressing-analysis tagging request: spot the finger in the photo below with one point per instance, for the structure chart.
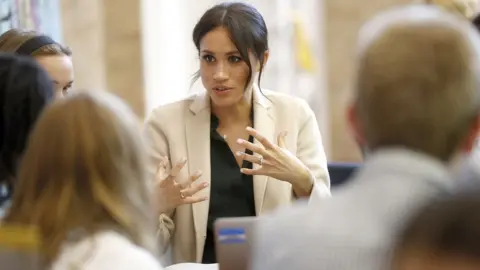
(190, 191)
(281, 139)
(251, 158)
(194, 177)
(178, 167)
(192, 200)
(161, 175)
(251, 171)
(266, 143)
(162, 165)
(253, 147)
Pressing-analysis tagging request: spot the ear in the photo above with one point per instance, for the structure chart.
(265, 59)
(470, 142)
(355, 126)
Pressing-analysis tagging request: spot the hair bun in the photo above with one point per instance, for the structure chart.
(465, 8)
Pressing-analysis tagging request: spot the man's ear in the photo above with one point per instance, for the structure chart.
(355, 126)
(470, 142)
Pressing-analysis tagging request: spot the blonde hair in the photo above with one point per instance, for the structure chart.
(13, 39)
(418, 82)
(84, 170)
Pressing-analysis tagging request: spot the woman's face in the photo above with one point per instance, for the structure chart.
(222, 69)
(60, 69)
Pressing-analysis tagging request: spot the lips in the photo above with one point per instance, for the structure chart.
(221, 88)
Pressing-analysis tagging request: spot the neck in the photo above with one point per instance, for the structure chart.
(238, 113)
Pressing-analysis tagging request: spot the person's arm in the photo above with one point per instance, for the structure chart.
(311, 153)
(158, 149)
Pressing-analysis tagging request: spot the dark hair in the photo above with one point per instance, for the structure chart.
(446, 226)
(476, 22)
(25, 89)
(246, 26)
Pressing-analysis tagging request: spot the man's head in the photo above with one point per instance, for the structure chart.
(417, 82)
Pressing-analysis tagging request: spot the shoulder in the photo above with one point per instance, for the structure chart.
(288, 104)
(106, 250)
(173, 108)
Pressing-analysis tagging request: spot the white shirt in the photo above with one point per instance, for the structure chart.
(105, 250)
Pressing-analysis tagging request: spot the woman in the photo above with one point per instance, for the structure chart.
(25, 89)
(52, 56)
(210, 137)
(84, 188)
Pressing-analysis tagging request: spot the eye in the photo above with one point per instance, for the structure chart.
(209, 58)
(234, 59)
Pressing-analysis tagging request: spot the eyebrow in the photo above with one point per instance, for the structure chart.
(228, 53)
(69, 83)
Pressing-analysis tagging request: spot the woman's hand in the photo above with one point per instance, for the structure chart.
(172, 193)
(277, 162)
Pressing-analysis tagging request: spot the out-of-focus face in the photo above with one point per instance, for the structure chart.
(437, 263)
(222, 70)
(60, 69)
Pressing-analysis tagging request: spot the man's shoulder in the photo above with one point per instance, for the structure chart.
(286, 219)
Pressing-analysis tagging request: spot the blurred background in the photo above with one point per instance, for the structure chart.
(142, 50)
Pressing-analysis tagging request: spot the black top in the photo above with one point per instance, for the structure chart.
(231, 192)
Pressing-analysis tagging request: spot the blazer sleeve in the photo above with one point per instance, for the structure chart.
(311, 152)
(158, 148)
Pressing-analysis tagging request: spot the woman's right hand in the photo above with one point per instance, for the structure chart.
(172, 193)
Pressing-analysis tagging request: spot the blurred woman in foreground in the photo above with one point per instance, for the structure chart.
(84, 189)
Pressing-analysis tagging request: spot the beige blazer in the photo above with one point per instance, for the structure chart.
(182, 129)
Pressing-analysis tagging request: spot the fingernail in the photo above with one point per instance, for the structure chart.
(183, 160)
(249, 128)
(198, 173)
(205, 184)
(238, 153)
(240, 141)
(242, 170)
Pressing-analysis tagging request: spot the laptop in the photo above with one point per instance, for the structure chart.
(233, 240)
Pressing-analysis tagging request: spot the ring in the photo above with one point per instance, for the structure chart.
(261, 161)
(182, 195)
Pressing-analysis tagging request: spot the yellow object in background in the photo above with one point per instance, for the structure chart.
(19, 238)
(303, 50)
(20, 248)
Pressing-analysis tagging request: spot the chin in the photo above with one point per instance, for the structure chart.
(223, 102)
(227, 101)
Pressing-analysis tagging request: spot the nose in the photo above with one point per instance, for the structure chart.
(59, 93)
(221, 72)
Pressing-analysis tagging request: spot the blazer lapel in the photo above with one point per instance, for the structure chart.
(264, 123)
(198, 145)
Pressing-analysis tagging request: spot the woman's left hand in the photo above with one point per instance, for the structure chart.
(276, 161)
